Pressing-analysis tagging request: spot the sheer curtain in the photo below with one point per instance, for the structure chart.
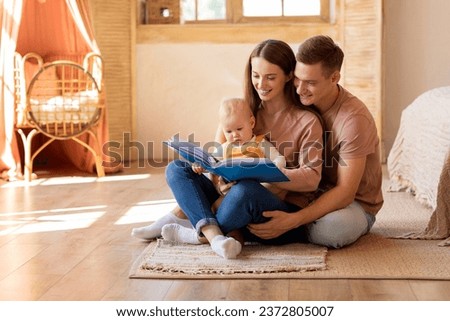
(81, 16)
(10, 21)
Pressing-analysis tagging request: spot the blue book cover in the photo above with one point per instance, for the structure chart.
(260, 169)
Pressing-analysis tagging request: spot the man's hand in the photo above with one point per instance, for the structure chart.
(280, 222)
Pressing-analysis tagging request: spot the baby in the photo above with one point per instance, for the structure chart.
(237, 122)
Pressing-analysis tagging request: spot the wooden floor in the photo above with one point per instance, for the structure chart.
(68, 238)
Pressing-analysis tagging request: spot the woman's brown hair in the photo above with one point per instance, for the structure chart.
(279, 53)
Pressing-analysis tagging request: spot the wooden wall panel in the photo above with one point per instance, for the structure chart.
(114, 24)
(362, 37)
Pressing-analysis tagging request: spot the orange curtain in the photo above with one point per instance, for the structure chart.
(9, 153)
(54, 29)
(47, 28)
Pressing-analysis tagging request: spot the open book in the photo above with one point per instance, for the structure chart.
(233, 169)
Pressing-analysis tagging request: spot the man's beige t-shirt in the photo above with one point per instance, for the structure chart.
(350, 133)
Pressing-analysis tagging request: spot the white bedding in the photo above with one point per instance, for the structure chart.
(78, 107)
(420, 148)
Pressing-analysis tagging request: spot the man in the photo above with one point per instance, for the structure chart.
(351, 179)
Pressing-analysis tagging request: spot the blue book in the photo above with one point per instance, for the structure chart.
(232, 169)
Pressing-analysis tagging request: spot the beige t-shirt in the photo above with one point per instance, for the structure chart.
(297, 135)
(350, 133)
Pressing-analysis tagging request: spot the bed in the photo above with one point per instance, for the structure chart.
(421, 146)
(419, 161)
(61, 99)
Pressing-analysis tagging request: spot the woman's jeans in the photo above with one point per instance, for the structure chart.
(247, 200)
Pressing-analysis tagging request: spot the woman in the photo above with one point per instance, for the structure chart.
(294, 130)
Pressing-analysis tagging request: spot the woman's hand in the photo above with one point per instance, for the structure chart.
(280, 222)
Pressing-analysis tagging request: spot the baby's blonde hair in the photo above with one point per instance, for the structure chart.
(231, 106)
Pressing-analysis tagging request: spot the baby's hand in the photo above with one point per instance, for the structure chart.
(197, 168)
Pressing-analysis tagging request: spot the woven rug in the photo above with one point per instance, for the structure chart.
(377, 255)
(164, 259)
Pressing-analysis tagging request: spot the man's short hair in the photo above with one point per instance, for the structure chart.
(321, 49)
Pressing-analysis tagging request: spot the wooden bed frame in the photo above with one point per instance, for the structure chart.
(60, 99)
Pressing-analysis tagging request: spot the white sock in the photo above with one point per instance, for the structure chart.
(154, 230)
(180, 234)
(226, 247)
